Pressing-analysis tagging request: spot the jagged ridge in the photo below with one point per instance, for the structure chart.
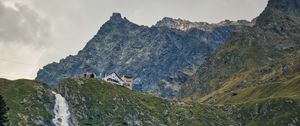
(185, 25)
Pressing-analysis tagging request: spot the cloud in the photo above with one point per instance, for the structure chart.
(19, 60)
(20, 24)
(24, 36)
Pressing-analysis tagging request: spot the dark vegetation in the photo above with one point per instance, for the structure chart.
(3, 111)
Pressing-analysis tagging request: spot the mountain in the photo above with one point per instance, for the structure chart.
(170, 86)
(29, 102)
(149, 54)
(260, 62)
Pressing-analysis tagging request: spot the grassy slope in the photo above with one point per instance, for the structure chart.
(262, 92)
(278, 78)
(26, 100)
(256, 74)
(95, 102)
(266, 112)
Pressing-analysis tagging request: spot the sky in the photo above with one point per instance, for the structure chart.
(34, 33)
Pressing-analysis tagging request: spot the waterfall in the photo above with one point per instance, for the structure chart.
(61, 111)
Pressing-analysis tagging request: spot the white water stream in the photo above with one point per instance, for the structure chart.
(61, 111)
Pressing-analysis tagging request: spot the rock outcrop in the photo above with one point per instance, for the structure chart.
(185, 25)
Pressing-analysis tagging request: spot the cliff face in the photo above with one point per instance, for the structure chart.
(280, 12)
(149, 54)
(265, 56)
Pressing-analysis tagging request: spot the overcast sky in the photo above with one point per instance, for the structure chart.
(34, 33)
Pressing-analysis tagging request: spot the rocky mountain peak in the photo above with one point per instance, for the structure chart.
(116, 16)
(181, 24)
(279, 12)
(285, 5)
(238, 22)
(115, 24)
(185, 25)
(166, 19)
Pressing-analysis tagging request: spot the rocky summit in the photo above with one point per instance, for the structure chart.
(149, 54)
(185, 25)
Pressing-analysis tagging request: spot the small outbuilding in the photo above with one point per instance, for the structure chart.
(128, 81)
(89, 75)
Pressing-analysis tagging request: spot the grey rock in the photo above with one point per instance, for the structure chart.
(149, 54)
(185, 25)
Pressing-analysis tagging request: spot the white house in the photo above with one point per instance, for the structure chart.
(114, 78)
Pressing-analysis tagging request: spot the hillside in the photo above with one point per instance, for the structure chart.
(149, 54)
(29, 102)
(95, 102)
(256, 63)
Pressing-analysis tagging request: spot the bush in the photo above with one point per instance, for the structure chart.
(3, 110)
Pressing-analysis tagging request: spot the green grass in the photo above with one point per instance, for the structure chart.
(96, 102)
(268, 112)
(25, 100)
